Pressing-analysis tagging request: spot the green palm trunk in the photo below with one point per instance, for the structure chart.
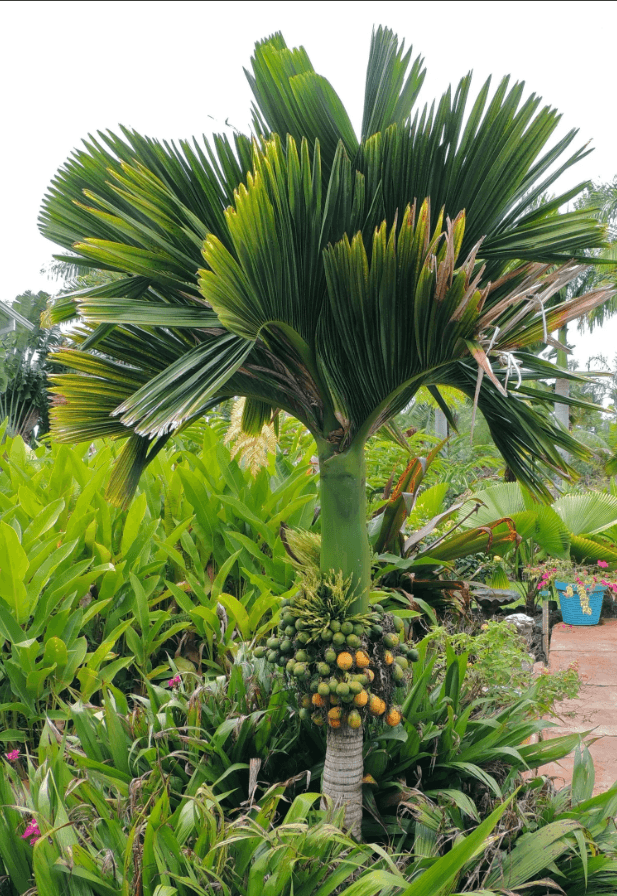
(345, 547)
(344, 538)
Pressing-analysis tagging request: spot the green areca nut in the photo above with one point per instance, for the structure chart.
(398, 673)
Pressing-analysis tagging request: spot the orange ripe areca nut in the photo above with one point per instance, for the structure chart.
(362, 659)
(376, 705)
(394, 717)
(334, 717)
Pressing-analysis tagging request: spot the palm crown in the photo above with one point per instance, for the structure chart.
(317, 272)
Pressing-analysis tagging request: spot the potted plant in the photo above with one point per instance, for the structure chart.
(581, 589)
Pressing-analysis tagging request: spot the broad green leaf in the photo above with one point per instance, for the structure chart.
(133, 522)
(55, 652)
(13, 568)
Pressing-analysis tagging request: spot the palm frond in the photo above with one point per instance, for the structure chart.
(338, 275)
(391, 86)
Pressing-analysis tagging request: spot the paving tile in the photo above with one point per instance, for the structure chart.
(604, 755)
(599, 669)
(594, 649)
(593, 638)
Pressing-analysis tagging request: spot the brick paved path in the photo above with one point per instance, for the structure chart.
(594, 647)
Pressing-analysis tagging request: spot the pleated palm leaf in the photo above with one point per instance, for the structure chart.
(325, 274)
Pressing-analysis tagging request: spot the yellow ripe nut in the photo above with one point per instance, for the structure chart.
(361, 699)
(388, 657)
(344, 661)
(354, 719)
(305, 702)
(334, 717)
(394, 717)
(362, 659)
(318, 700)
(376, 705)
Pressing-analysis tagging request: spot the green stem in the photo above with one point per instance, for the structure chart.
(344, 535)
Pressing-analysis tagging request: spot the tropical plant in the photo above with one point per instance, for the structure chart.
(91, 594)
(601, 201)
(24, 400)
(576, 528)
(322, 273)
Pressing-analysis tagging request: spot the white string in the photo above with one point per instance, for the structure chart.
(493, 338)
(540, 302)
(513, 364)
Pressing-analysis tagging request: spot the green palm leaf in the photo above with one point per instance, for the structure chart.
(585, 549)
(341, 275)
(587, 514)
(391, 87)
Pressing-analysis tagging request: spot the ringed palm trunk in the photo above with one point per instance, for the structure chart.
(562, 386)
(345, 547)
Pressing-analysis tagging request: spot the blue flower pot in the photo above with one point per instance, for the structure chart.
(580, 604)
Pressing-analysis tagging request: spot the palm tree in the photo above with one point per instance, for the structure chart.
(329, 275)
(601, 201)
(24, 399)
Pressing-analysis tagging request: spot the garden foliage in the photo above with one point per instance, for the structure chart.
(93, 595)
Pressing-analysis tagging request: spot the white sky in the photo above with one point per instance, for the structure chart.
(68, 69)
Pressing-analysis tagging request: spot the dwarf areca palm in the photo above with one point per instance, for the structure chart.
(339, 274)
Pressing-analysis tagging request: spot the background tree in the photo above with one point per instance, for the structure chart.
(24, 366)
(601, 201)
(339, 274)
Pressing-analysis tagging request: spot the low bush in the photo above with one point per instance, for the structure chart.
(92, 595)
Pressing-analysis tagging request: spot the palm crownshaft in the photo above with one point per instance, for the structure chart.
(338, 275)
